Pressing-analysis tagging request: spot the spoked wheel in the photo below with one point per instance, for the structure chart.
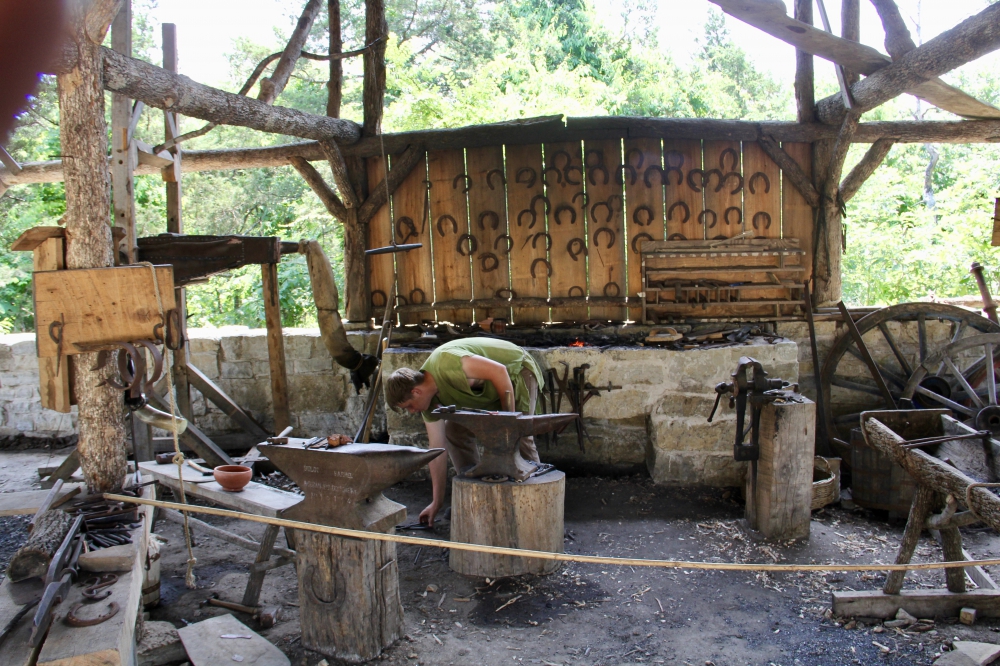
(901, 338)
(962, 378)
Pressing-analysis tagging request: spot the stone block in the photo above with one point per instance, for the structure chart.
(314, 365)
(236, 370)
(695, 434)
(15, 392)
(262, 369)
(254, 395)
(250, 346)
(203, 344)
(676, 468)
(316, 424)
(300, 343)
(19, 378)
(21, 344)
(207, 363)
(316, 393)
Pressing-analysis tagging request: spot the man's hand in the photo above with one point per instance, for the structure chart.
(427, 515)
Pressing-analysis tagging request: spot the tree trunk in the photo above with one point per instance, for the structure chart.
(32, 559)
(335, 85)
(83, 134)
(272, 86)
(374, 83)
(805, 92)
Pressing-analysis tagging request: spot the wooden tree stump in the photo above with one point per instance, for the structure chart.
(349, 605)
(779, 498)
(514, 515)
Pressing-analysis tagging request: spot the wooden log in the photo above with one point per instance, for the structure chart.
(951, 544)
(850, 29)
(863, 170)
(373, 85)
(338, 167)
(805, 91)
(792, 170)
(520, 303)
(897, 36)
(779, 498)
(323, 192)
(122, 182)
(53, 372)
(251, 595)
(400, 168)
(919, 603)
(516, 515)
(919, 510)
(32, 558)
(335, 84)
(272, 86)
(275, 347)
(100, 14)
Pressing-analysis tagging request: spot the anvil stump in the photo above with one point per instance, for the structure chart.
(514, 515)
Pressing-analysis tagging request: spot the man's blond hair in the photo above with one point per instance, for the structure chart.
(400, 384)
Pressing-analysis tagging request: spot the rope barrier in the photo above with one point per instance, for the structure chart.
(542, 555)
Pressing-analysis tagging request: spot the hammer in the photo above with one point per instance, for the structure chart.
(267, 617)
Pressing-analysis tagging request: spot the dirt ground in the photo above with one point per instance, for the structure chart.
(589, 614)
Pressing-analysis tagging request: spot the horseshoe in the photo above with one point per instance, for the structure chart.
(400, 297)
(652, 169)
(489, 178)
(643, 236)
(544, 199)
(132, 379)
(753, 179)
(636, 217)
(621, 174)
(510, 243)
(175, 336)
(454, 224)
(703, 215)
(547, 266)
(532, 176)
(423, 296)
(613, 198)
(406, 223)
(74, 621)
(732, 153)
(561, 209)
(708, 178)
(764, 217)
(548, 240)
(492, 266)
(609, 232)
(592, 171)
(628, 156)
(554, 162)
(677, 154)
(570, 292)
(593, 210)
(576, 243)
(582, 195)
(600, 158)
(559, 175)
(739, 216)
(720, 237)
(567, 170)
(701, 175)
(468, 182)
(607, 288)
(533, 217)
(157, 363)
(674, 237)
(723, 179)
(378, 292)
(684, 207)
(499, 293)
(494, 217)
(95, 583)
(473, 244)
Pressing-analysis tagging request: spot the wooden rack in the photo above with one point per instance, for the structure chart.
(721, 278)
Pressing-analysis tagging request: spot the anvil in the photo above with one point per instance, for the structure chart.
(498, 435)
(343, 486)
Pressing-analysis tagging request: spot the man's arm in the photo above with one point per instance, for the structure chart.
(439, 470)
(479, 367)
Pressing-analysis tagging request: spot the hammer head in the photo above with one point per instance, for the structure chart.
(268, 617)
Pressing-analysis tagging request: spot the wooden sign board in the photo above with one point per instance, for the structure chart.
(98, 306)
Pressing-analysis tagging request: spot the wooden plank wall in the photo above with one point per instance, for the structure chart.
(381, 267)
(575, 219)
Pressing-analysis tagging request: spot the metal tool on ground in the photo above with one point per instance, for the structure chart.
(751, 385)
(343, 486)
(578, 391)
(266, 616)
(58, 578)
(498, 436)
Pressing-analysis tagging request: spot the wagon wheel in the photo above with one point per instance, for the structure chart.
(959, 377)
(900, 337)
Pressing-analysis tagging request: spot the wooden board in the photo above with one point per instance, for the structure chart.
(682, 204)
(644, 212)
(796, 214)
(255, 498)
(99, 305)
(721, 159)
(452, 272)
(487, 196)
(54, 385)
(563, 177)
(605, 210)
(26, 502)
(919, 603)
(205, 646)
(527, 225)
(761, 192)
(413, 268)
(381, 267)
(15, 646)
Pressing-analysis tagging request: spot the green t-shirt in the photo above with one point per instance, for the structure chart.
(445, 365)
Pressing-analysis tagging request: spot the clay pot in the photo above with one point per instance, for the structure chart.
(233, 477)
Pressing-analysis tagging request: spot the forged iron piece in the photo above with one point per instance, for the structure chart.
(196, 258)
(731, 174)
(683, 206)
(530, 176)
(548, 267)
(575, 247)
(489, 178)
(392, 249)
(617, 289)
(60, 575)
(739, 216)
(410, 227)
(605, 230)
(703, 217)
(754, 178)
(578, 391)
(637, 215)
(466, 185)
(94, 584)
(750, 384)
(592, 173)
(567, 170)
(498, 436)
(343, 486)
(577, 288)
(74, 621)
(472, 242)
(606, 204)
(559, 175)
(582, 196)
(700, 176)
(489, 262)
(564, 208)
(638, 237)
(494, 220)
(544, 199)
(529, 211)
(508, 241)
(735, 159)
(762, 218)
(535, 239)
(454, 224)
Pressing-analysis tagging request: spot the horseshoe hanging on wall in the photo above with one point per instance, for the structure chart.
(593, 210)
(544, 199)
(575, 247)
(581, 195)
(739, 216)
(530, 176)
(529, 211)
(508, 241)
(735, 159)
(638, 237)
(489, 262)
(611, 236)
(494, 220)
(548, 241)
(578, 288)
(683, 206)
(731, 174)
(467, 185)
(454, 224)
(563, 208)
(489, 178)
(637, 218)
(700, 175)
(765, 220)
(407, 224)
(473, 244)
(548, 267)
(753, 179)
(703, 216)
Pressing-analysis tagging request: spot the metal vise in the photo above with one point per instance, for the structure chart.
(343, 486)
(498, 435)
(760, 391)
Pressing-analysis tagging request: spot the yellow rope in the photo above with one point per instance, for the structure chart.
(189, 578)
(542, 555)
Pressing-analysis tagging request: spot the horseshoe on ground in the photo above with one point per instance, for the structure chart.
(74, 621)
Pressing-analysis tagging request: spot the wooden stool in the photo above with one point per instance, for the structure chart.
(525, 515)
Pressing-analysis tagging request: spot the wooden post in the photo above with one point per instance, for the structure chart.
(919, 510)
(275, 346)
(53, 373)
(83, 136)
(335, 84)
(515, 515)
(779, 498)
(121, 116)
(805, 93)
(850, 28)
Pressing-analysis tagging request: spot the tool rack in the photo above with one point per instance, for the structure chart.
(722, 278)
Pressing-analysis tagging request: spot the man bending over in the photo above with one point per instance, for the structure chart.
(476, 373)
